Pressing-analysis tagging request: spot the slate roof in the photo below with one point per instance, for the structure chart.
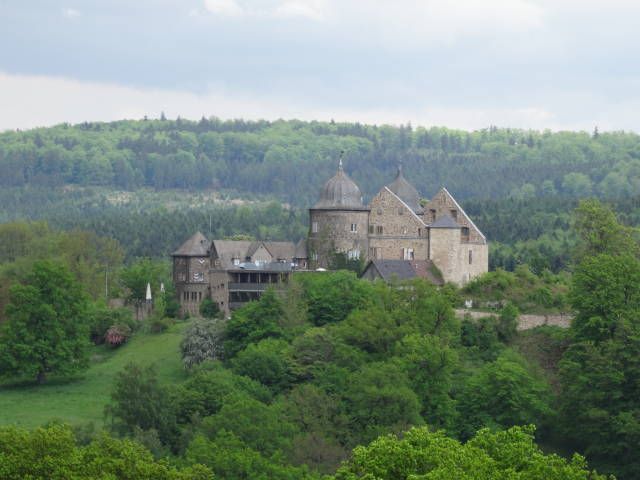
(340, 192)
(390, 269)
(227, 250)
(404, 270)
(407, 192)
(196, 246)
(281, 250)
(446, 221)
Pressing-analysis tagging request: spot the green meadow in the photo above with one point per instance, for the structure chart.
(82, 399)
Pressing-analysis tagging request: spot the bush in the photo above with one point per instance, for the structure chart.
(209, 309)
(202, 341)
(159, 325)
(102, 319)
(117, 335)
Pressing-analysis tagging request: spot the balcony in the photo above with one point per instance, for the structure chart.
(249, 287)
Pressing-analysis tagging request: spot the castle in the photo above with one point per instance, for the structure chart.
(396, 229)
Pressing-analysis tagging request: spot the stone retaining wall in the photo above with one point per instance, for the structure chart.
(525, 321)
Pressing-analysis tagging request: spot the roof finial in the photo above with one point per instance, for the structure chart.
(340, 162)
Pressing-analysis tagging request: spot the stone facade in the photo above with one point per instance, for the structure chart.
(398, 227)
(335, 230)
(395, 231)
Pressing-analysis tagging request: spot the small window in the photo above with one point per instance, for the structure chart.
(470, 257)
(353, 254)
(354, 227)
(314, 227)
(314, 256)
(419, 232)
(371, 228)
(199, 296)
(236, 261)
(404, 230)
(465, 231)
(433, 214)
(379, 229)
(407, 253)
(400, 210)
(454, 214)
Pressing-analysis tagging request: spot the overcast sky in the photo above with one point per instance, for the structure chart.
(558, 64)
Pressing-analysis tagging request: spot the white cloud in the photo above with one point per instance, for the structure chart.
(224, 7)
(31, 101)
(70, 13)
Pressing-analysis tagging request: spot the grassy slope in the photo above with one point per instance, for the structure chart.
(83, 399)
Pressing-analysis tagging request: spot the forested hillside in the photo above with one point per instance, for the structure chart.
(291, 159)
(150, 183)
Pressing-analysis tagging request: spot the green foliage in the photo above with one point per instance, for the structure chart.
(605, 294)
(101, 318)
(263, 428)
(145, 271)
(253, 322)
(46, 332)
(378, 398)
(522, 289)
(52, 453)
(600, 232)
(210, 387)
(138, 400)
(503, 393)
(330, 298)
(209, 309)
(599, 406)
(433, 456)
(230, 458)
(202, 341)
(266, 362)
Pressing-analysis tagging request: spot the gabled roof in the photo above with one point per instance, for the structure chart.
(445, 221)
(227, 250)
(405, 204)
(393, 269)
(281, 250)
(404, 270)
(196, 246)
(464, 213)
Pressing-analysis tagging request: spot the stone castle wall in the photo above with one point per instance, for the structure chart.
(525, 321)
(444, 251)
(401, 229)
(334, 234)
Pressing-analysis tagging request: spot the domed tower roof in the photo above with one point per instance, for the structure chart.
(407, 192)
(340, 193)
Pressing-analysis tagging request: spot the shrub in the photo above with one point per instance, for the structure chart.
(159, 325)
(209, 309)
(117, 335)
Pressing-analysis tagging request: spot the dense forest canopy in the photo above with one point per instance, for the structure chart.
(291, 159)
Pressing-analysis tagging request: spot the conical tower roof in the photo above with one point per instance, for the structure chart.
(196, 246)
(407, 192)
(340, 192)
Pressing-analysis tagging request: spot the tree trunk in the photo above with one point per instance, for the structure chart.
(42, 377)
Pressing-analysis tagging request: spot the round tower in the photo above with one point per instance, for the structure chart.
(338, 223)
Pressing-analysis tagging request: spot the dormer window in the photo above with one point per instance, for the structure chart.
(236, 261)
